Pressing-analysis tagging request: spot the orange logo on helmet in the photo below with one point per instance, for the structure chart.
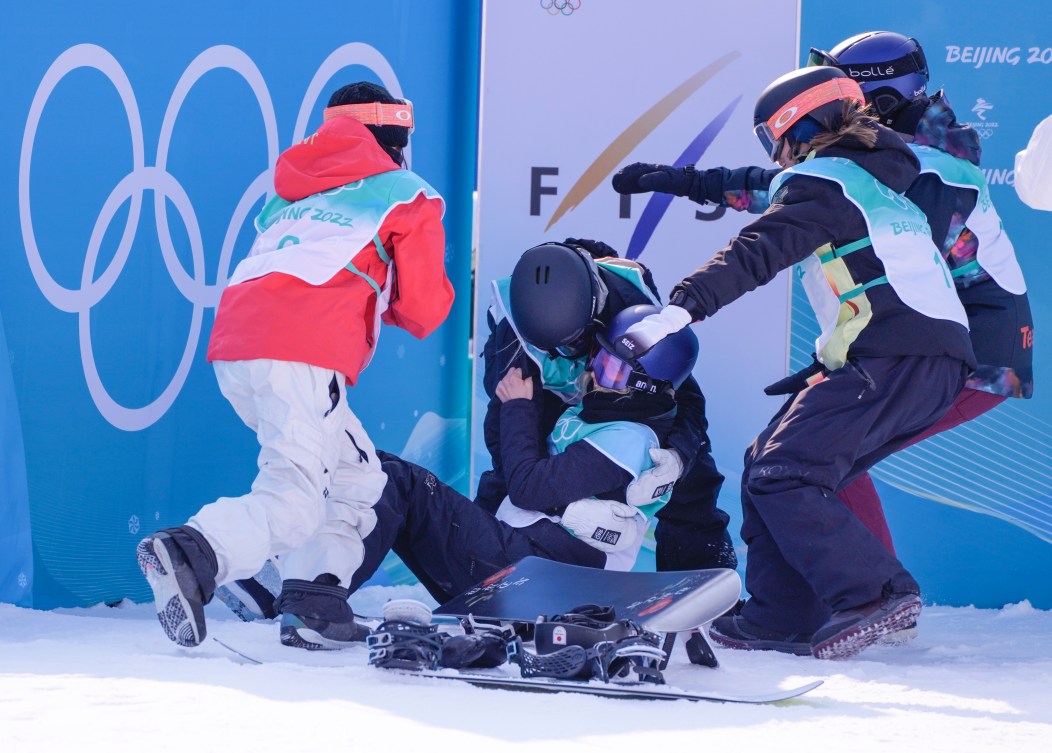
(785, 117)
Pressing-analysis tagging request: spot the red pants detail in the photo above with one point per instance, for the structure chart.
(860, 496)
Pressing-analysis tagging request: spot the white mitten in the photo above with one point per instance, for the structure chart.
(650, 330)
(654, 482)
(1033, 168)
(607, 525)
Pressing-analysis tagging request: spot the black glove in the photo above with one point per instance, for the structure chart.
(597, 249)
(704, 187)
(798, 381)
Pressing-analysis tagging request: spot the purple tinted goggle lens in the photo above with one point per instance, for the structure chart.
(609, 371)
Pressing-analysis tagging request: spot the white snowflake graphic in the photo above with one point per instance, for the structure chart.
(133, 524)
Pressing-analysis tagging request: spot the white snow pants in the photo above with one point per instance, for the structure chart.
(318, 479)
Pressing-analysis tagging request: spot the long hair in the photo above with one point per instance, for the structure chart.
(856, 122)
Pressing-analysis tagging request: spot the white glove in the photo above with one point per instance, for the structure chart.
(645, 334)
(654, 482)
(607, 525)
(1033, 168)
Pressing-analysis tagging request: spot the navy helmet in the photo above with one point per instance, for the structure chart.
(800, 104)
(667, 364)
(556, 296)
(890, 68)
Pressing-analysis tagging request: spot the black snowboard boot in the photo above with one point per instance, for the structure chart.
(315, 615)
(180, 566)
(734, 631)
(850, 631)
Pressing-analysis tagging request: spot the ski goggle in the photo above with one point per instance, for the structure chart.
(613, 373)
(911, 62)
(577, 347)
(375, 114)
(609, 371)
(775, 127)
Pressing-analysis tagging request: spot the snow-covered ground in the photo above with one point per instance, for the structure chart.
(107, 679)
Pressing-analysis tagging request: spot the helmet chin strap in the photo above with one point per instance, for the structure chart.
(800, 152)
(599, 290)
(888, 106)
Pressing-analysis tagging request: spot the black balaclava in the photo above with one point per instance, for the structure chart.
(657, 411)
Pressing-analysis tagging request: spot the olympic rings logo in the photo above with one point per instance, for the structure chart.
(165, 187)
(563, 7)
(566, 429)
(895, 198)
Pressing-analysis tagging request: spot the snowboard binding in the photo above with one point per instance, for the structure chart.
(588, 642)
(583, 644)
(407, 640)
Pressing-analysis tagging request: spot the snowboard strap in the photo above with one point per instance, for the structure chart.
(395, 644)
(606, 660)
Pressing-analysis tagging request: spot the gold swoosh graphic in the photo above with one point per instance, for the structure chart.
(630, 138)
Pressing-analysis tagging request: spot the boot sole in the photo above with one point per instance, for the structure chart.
(899, 638)
(853, 640)
(301, 636)
(182, 621)
(290, 636)
(795, 649)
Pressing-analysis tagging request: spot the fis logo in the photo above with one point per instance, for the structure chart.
(617, 153)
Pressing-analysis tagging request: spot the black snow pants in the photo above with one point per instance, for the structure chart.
(808, 555)
(448, 542)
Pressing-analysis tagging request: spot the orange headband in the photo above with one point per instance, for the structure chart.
(374, 114)
(807, 101)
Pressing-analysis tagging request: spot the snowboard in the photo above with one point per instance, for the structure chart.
(662, 602)
(501, 678)
(637, 690)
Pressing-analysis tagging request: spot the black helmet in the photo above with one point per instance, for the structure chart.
(669, 362)
(890, 68)
(556, 297)
(801, 103)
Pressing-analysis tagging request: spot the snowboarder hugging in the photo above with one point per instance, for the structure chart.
(543, 321)
(566, 491)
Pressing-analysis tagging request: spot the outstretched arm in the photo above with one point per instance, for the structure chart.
(743, 189)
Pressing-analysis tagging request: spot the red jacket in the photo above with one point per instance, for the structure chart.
(331, 325)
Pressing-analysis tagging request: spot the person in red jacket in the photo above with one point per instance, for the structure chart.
(350, 239)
